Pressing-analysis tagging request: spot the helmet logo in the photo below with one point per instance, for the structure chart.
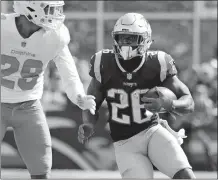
(125, 30)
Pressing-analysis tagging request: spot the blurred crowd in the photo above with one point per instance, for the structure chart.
(202, 124)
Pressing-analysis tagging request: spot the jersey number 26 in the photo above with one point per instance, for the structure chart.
(124, 103)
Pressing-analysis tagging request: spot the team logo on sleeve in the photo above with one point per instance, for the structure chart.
(172, 69)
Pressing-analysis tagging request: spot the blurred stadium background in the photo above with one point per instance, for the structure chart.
(185, 29)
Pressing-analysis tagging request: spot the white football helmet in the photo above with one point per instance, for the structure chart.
(47, 14)
(132, 36)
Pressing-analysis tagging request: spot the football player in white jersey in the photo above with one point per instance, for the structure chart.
(30, 38)
(122, 77)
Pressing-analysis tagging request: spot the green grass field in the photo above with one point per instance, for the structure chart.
(78, 174)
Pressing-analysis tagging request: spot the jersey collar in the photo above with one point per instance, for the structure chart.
(135, 70)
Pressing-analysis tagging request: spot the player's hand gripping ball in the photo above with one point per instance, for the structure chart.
(159, 99)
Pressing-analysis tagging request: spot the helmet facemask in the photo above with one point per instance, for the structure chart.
(130, 45)
(46, 14)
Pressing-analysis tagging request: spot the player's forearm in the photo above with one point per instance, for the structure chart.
(72, 84)
(73, 89)
(183, 105)
(88, 118)
(94, 90)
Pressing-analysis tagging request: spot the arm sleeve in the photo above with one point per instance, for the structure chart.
(95, 66)
(69, 74)
(167, 65)
(91, 67)
(171, 66)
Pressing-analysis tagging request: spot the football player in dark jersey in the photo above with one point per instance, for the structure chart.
(122, 77)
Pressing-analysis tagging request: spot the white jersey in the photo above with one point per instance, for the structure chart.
(23, 61)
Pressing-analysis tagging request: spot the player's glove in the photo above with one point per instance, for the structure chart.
(85, 132)
(180, 135)
(155, 105)
(87, 102)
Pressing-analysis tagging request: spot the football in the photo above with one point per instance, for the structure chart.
(152, 93)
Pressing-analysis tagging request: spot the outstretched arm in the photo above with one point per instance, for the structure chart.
(86, 130)
(71, 81)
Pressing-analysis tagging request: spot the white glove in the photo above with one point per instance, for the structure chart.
(180, 135)
(87, 102)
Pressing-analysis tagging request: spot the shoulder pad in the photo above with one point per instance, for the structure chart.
(98, 61)
(60, 37)
(167, 65)
(64, 35)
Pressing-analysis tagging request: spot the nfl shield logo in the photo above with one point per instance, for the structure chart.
(129, 76)
(23, 44)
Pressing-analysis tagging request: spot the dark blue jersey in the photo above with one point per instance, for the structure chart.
(123, 90)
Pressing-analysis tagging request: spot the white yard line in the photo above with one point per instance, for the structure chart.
(79, 174)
